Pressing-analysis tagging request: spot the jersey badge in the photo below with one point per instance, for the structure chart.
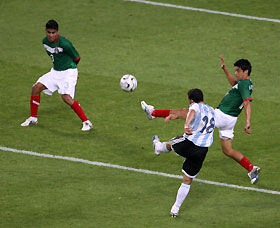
(56, 50)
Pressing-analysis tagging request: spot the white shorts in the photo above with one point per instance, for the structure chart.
(62, 81)
(225, 124)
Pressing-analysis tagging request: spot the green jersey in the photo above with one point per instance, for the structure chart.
(62, 52)
(232, 103)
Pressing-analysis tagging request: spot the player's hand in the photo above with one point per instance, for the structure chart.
(247, 128)
(188, 130)
(171, 117)
(78, 74)
(222, 62)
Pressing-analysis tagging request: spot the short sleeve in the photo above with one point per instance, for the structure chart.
(195, 107)
(244, 90)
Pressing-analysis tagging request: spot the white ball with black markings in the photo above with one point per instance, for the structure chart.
(128, 83)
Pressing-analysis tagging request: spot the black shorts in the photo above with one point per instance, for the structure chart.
(194, 155)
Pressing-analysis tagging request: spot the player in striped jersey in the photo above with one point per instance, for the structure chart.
(237, 98)
(62, 77)
(193, 145)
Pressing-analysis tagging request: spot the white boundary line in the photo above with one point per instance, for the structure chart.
(205, 10)
(133, 169)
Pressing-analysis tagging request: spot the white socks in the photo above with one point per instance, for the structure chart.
(162, 147)
(181, 195)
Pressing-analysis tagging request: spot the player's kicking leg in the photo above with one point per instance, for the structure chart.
(152, 112)
(148, 109)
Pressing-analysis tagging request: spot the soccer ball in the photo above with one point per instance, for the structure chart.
(128, 83)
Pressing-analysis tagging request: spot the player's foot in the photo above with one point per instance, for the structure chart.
(148, 109)
(30, 121)
(156, 143)
(254, 174)
(87, 125)
(174, 212)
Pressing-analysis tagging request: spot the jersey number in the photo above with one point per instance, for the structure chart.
(210, 127)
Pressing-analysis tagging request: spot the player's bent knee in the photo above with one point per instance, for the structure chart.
(228, 152)
(37, 88)
(67, 99)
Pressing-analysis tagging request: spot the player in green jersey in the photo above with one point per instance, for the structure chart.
(237, 98)
(226, 114)
(62, 77)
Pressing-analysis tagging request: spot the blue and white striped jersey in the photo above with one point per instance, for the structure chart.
(203, 125)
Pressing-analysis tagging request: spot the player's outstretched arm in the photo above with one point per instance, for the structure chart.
(231, 79)
(177, 114)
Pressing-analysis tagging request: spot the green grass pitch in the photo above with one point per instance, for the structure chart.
(169, 51)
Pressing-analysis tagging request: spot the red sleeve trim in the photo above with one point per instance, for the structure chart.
(248, 99)
(77, 58)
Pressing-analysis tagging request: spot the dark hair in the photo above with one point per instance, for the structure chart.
(196, 95)
(52, 24)
(244, 64)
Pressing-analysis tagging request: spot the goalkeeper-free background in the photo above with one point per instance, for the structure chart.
(169, 51)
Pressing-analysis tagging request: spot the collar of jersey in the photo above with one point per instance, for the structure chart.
(56, 39)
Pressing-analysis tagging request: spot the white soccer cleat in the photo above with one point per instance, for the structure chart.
(156, 143)
(174, 212)
(87, 125)
(30, 121)
(148, 109)
(254, 174)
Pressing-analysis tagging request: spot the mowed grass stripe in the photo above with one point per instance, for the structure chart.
(205, 10)
(134, 169)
